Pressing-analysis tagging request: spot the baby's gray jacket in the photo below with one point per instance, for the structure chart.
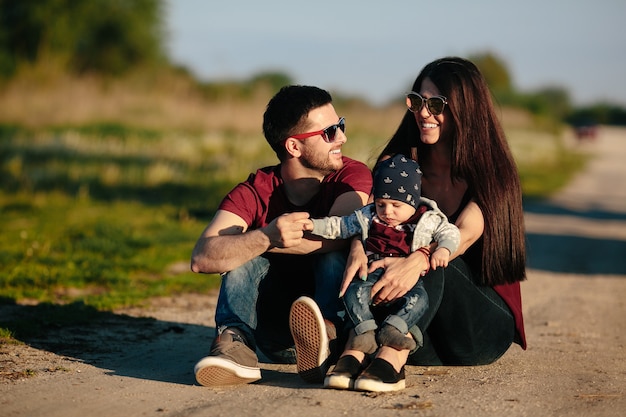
(432, 226)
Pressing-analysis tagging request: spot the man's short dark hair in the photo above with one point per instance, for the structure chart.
(287, 111)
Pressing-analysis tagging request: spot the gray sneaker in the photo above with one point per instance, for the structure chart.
(230, 362)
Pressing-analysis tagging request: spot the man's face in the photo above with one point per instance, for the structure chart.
(317, 154)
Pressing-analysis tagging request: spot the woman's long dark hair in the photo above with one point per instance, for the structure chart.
(480, 155)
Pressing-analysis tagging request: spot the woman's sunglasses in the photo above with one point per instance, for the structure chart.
(434, 105)
(329, 134)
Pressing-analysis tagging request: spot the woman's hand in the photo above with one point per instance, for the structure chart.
(356, 265)
(401, 274)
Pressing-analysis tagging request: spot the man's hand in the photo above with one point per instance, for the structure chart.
(287, 230)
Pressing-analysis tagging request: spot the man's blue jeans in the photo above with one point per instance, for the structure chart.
(402, 314)
(256, 298)
(465, 323)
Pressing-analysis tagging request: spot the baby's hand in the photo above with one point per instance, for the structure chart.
(307, 224)
(440, 257)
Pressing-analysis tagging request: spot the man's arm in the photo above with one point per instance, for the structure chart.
(226, 243)
(346, 203)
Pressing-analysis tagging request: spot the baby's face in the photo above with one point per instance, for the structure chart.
(393, 212)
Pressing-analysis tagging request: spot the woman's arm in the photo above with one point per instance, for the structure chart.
(471, 224)
(356, 264)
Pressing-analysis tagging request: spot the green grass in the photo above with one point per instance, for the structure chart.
(7, 336)
(544, 163)
(542, 179)
(59, 248)
(107, 215)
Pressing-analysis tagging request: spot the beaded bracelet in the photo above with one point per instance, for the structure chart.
(426, 253)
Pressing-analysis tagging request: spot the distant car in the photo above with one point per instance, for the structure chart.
(586, 131)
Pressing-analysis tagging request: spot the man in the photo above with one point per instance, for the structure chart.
(256, 242)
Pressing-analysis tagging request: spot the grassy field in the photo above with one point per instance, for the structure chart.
(105, 187)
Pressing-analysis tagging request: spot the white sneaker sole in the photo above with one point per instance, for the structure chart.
(378, 386)
(338, 382)
(214, 371)
(309, 334)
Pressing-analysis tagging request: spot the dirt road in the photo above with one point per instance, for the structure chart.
(139, 362)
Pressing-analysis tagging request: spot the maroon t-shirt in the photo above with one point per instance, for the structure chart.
(258, 201)
(261, 198)
(512, 296)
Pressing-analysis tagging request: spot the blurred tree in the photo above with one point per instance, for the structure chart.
(104, 36)
(264, 81)
(601, 113)
(549, 101)
(274, 80)
(495, 72)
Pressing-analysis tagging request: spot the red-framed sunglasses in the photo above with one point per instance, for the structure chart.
(329, 134)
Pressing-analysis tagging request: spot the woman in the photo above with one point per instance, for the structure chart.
(451, 129)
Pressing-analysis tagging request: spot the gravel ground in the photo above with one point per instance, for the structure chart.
(139, 361)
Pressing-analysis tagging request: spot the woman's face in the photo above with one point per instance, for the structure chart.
(430, 126)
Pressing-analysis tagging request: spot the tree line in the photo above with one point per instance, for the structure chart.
(83, 36)
(552, 102)
(112, 37)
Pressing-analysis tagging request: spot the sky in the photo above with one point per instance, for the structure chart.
(375, 49)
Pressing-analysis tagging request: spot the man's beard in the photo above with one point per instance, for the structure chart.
(323, 165)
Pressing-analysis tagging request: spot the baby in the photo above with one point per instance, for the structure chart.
(399, 222)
